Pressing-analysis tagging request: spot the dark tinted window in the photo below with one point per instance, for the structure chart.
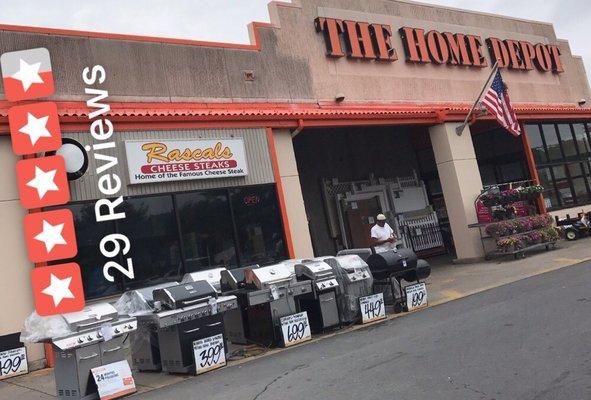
(258, 222)
(88, 236)
(206, 226)
(150, 225)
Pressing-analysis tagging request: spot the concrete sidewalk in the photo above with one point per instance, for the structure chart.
(447, 282)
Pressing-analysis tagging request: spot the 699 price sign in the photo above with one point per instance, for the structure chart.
(13, 362)
(372, 308)
(210, 353)
(295, 329)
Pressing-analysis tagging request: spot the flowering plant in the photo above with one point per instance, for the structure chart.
(518, 225)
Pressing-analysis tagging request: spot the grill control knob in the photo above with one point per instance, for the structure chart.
(80, 340)
(116, 330)
(364, 275)
(331, 283)
(99, 335)
(89, 337)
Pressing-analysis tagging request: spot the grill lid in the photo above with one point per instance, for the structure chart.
(314, 269)
(213, 276)
(185, 294)
(93, 314)
(232, 279)
(349, 263)
(263, 277)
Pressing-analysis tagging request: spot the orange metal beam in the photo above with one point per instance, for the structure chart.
(280, 194)
(533, 170)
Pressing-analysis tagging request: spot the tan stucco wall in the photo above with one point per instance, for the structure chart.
(292, 66)
(292, 191)
(461, 184)
(15, 285)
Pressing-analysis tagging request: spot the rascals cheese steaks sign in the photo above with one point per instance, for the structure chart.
(175, 160)
(362, 40)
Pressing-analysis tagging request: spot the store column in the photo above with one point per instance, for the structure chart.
(16, 295)
(461, 183)
(288, 180)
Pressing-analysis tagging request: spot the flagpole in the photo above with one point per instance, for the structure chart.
(460, 129)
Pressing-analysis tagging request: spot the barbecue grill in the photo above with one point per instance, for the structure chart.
(321, 303)
(265, 294)
(390, 267)
(86, 348)
(145, 347)
(355, 281)
(183, 314)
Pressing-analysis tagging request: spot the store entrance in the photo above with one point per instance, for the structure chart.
(349, 175)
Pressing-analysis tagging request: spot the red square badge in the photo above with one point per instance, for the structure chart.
(57, 289)
(34, 128)
(42, 182)
(27, 74)
(50, 235)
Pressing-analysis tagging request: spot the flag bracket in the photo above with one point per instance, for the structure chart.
(460, 128)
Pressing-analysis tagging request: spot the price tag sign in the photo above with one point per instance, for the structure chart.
(372, 308)
(210, 353)
(295, 329)
(13, 362)
(416, 296)
(114, 380)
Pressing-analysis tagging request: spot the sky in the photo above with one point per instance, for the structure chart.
(227, 20)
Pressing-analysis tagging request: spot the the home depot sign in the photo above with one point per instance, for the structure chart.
(362, 40)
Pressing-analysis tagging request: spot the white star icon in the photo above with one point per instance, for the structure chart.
(28, 74)
(51, 235)
(59, 289)
(43, 182)
(36, 128)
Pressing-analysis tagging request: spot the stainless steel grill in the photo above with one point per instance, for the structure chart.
(266, 294)
(321, 304)
(98, 337)
(185, 313)
(355, 281)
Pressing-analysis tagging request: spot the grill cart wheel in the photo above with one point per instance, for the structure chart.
(571, 234)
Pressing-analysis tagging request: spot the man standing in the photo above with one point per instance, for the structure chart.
(382, 235)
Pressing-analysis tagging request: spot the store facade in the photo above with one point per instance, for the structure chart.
(325, 91)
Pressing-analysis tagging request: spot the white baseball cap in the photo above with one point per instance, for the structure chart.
(381, 217)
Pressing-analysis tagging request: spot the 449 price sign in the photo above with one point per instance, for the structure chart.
(416, 296)
(295, 329)
(210, 353)
(372, 308)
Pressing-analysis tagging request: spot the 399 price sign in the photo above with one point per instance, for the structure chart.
(372, 308)
(210, 353)
(416, 296)
(13, 362)
(295, 329)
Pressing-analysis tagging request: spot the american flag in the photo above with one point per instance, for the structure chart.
(496, 101)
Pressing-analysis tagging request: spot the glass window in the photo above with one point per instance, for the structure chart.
(88, 236)
(535, 141)
(549, 191)
(150, 224)
(582, 139)
(568, 144)
(206, 226)
(258, 222)
(559, 172)
(565, 194)
(552, 144)
(581, 191)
